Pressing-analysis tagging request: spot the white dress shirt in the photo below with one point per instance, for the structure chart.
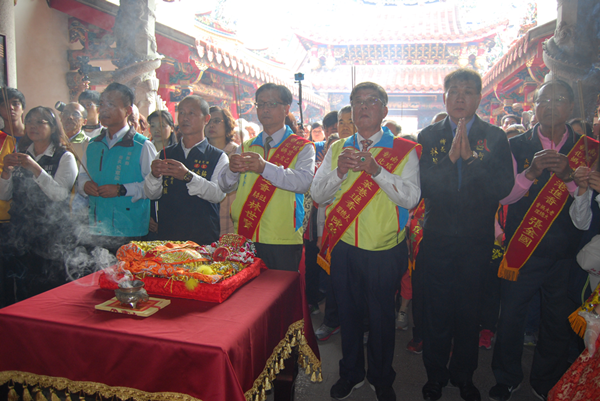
(296, 180)
(581, 209)
(199, 186)
(56, 188)
(404, 190)
(134, 189)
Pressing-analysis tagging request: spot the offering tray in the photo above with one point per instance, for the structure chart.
(215, 293)
(181, 269)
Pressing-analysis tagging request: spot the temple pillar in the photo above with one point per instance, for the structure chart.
(8, 52)
(571, 53)
(135, 55)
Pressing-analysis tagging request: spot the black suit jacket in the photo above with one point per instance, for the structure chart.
(467, 211)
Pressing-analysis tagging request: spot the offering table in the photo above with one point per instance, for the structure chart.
(190, 350)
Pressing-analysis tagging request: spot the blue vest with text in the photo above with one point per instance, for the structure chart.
(118, 217)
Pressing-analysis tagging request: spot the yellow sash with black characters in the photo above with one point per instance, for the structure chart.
(356, 199)
(262, 191)
(543, 211)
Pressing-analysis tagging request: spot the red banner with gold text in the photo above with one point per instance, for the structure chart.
(262, 191)
(543, 211)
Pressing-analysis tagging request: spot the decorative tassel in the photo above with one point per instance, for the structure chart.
(307, 371)
(67, 396)
(257, 398)
(507, 273)
(39, 396)
(267, 384)
(302, 339)
(53, 396)
(272, 376)
(281, 364)
(81, 397)
(320, 378)
(26, 394)
(276, 368)
(294, 343)
(12, 394)
(313, 378)
(578, 323)
(263, 396)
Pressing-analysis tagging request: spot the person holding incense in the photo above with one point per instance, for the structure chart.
(184, 180)
(114, 167)
(271, 174)
(367, 177)
(38, 181)
(11, 112)
(12, 103)
(542, 243)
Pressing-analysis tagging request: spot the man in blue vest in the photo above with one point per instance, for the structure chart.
(186, 178)
(116, 163)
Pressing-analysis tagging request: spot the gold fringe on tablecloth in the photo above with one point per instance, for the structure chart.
(307, 360)
(38, 382)
(294, 339)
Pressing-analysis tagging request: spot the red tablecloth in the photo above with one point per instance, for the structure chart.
(203, 350)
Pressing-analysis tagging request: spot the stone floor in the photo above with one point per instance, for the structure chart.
(410, 373)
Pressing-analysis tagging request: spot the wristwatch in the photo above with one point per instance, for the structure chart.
(188, 176)
(122, 190)
(472, 158)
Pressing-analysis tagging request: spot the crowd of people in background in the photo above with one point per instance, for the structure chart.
(475, 226)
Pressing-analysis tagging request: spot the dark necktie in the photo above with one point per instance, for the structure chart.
(365, 144)
(268, 141)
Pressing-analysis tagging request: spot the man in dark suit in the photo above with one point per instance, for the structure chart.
(465, 169)
(542, 244)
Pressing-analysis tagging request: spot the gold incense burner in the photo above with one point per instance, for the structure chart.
(130, 293)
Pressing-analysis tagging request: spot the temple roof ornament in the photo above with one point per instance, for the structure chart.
(416, 79)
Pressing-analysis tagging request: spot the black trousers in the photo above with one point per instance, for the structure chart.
(551, 352)
(331, 316)
(280, 257)
(451, 272)
(416, 281)
(490, 296)
(313, 272)
(365, 284)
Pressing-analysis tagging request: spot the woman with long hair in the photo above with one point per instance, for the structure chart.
(220, 133)
(38, 180)
(162, 129)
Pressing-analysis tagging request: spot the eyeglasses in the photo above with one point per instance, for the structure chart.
(369, 102)
(267, 105)
(559, 101)
(215, 121)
